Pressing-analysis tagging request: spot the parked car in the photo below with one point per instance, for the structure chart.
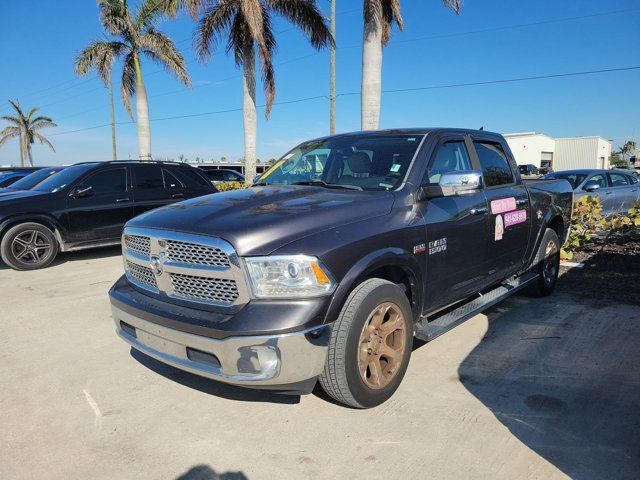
(223, 175)
(528, 170)
(9, 178)
(617, 190)
(86, 205)
(16, 169)
(30, 180)
(304, 277)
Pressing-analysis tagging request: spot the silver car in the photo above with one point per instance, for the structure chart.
(617, 190)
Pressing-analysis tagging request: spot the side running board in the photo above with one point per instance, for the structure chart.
(431, 327)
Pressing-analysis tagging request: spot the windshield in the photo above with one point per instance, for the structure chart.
(575, 179)
(59, 181)
(31, 180)
(359, 162)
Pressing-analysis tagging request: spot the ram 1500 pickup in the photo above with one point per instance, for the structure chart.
(336, 258)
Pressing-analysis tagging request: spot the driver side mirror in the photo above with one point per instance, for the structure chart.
(464, 182)
(591, 186)
(82, 192)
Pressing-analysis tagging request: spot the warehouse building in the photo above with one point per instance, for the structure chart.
(559, 153)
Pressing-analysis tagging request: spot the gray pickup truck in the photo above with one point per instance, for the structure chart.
(343, 252)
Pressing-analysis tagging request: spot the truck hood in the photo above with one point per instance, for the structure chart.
(259, 220)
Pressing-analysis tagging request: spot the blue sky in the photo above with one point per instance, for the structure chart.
(39, 43)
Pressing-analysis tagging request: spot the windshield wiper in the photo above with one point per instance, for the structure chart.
(322, 183)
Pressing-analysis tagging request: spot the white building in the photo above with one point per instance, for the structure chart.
(559, 153)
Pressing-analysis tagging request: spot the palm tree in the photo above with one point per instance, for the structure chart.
(136, 36)
(246, 25)
(25, 128)
(379, 16)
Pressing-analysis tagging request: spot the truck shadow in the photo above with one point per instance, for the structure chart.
(205, 472)
(211, 387)
(564, 378)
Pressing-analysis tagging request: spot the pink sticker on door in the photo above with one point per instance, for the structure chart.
(502, 205)
(513, 218)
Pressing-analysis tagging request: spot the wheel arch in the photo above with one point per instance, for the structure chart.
(45, 220)
(394, 264)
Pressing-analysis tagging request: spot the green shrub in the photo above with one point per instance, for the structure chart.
(227, 186)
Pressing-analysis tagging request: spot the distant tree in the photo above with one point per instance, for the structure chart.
(135, 36)
(181, 158)
(223, 159)
(617, 162)
(627, 150)
(271, 161)
(25, 128)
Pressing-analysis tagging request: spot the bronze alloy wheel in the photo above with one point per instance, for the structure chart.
(382, 345)
(550, 267)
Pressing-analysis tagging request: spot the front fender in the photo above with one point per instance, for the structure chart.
(46, 220)
(387, 257)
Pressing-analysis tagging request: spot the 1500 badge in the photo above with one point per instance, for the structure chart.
(437, 246)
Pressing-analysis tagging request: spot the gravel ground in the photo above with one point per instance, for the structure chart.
(534, 389)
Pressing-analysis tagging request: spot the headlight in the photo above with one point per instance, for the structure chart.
(288, 276)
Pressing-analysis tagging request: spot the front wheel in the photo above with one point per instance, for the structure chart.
(28, 246)
(370, 345)
(547, 265)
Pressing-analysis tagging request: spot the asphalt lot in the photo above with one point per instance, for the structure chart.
(535, 389)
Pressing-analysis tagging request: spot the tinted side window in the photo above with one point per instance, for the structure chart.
(191, 178)
(231, 176)
(214, 174)
(170, 180)
(148, 177)
(450, 157)
(618, 180)
(601, 181)
(106, 181)
(495, 166)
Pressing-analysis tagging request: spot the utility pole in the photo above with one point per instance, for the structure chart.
(113, 117)
(332, 88)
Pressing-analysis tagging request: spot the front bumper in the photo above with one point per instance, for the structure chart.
(289, 362)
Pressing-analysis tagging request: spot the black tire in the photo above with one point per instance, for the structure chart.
(546, 265)
(19, 253)
(341, 378)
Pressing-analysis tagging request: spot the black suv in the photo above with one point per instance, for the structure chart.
(86, 205)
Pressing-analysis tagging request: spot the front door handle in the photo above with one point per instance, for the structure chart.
(121, 200)
(522, 201)
(478, 211)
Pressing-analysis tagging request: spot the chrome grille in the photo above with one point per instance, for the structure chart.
(194, 254)
(141, 274)
(138, 244)
(189, 268)
(209, 289)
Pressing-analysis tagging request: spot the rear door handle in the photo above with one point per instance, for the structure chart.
(608, 193)
(121, 200)
(478, 211)
(177, 195)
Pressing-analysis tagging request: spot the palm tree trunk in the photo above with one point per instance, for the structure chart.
(249, 117)
(113, 119)
(332, 87)
(142, 113)
(29, 155)
(21, 147)
(371, 75)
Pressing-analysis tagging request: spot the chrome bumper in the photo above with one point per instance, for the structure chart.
(271, 360)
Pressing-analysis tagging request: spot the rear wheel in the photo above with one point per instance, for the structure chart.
(547, 265)
(28, 246)
(370, 345)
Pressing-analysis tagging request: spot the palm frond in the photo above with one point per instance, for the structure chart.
(161, 48)
(8, 133)
(305, 15)
(148, 14)
(43, 141)
(14, 120)
(128, 87)
(16, 106)
(383, 13)
(216, 20)
(114, 16)
(240, 41)
(30, 114)
(99, 56)
(266, 65)
(172, 7)
(42, 122)
(454, 5)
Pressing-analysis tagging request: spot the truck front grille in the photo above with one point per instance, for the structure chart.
(141, 274)
(195, 254)
(209, 289)
(189, 268)
(138, 244)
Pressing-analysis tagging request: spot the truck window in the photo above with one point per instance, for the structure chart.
(495, 166)
(450, 157)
